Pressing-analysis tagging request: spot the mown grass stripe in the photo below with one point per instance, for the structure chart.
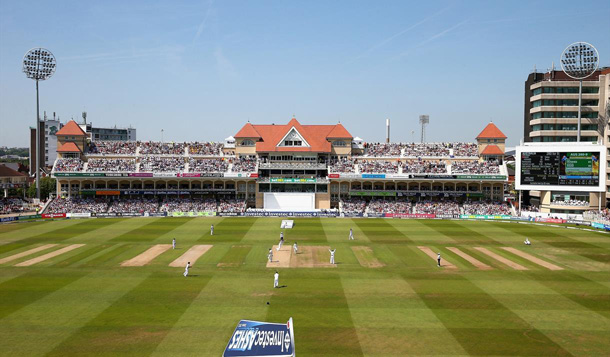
(380, 231)
(459, 232)
(466, 304)
(64, 233)
(112, 253)
(80, 256)
(137, 322)
(11, 227)
(235, 257)
(230, 229)
(321, 298)
(152, 230)
(26, 289)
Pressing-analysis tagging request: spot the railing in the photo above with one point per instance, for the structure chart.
(292, 165)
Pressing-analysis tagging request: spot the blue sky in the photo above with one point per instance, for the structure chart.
(200, 70)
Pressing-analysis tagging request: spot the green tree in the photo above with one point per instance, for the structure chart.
(47, 186)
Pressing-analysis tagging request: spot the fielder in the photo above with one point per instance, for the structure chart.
(186, 270)
(527, 241)
(332, 255)
(270, 255)
(212, 230)
(438, 259)
(351, 234)
(174, 243)
(296, 249)
(276, 279)
(279, 246)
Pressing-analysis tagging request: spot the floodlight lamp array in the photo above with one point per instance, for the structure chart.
(579, 60)
(39, 64)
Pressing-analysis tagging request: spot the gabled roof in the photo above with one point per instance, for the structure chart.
(491, 131)
(8, 172)
(72, 129)
(492, 150)
(69, 147)
(339, 131)
(269, 136)
(248, 131)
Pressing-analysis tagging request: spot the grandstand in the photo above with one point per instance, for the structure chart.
(279, 167)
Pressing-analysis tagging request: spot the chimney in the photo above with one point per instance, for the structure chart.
(387, 131)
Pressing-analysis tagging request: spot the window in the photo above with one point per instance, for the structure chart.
(339, 143)
(293, 143)
(247, 142)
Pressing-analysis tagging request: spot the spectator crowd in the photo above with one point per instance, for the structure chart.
(111, 165)
(188, 205)
(68, 164)
(112, 147)
(158, 148)
(475, 167)
(162, 164)
(208, 165)
(205, 149)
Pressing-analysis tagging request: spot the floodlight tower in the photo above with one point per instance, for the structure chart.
(38, 64)
(579, 60)
(424, 120)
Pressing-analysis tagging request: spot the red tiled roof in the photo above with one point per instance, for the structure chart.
(248, 131)
(8, 172)
(68, 147)
(315, 135)
(71, 128)
(491, 131)
(492, 150)
(339, 131)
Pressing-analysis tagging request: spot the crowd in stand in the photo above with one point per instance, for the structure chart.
(13, 205)
(244, 164)
(158, 148)
(602, 216)
(570, 202)
(137, 205)
(207, 148)
(161, 164)
(437, 207)
(68, 164)
(112, 165)
(77, 205)
(427, 167)
(208, 165)
(390, 206)
(343, 165)
(530, 209)
(112, 147)
(378, 166)
(475, 167)
(486, 208)
(188, 205)
(382, 150)
(465, 149)
(427, 149)
(232, 206)
(353, 206)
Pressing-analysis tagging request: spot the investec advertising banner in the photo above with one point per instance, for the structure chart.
(192, 214)
(255, 338)
(483, 216)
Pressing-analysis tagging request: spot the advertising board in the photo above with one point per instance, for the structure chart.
(256, 338)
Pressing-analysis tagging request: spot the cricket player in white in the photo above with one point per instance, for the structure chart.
(279, 246)
(351, 234)
(332, 255)
(438, 259)
(276, 279)
(527, 241)
(212, 230)
(174, 243)
(186, 270)
(294, 246)
(270, 255)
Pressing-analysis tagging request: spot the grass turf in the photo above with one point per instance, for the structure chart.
(83, 303)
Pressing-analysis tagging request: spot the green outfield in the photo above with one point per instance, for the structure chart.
(64, 291)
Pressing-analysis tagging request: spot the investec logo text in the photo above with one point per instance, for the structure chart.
(243, 340)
